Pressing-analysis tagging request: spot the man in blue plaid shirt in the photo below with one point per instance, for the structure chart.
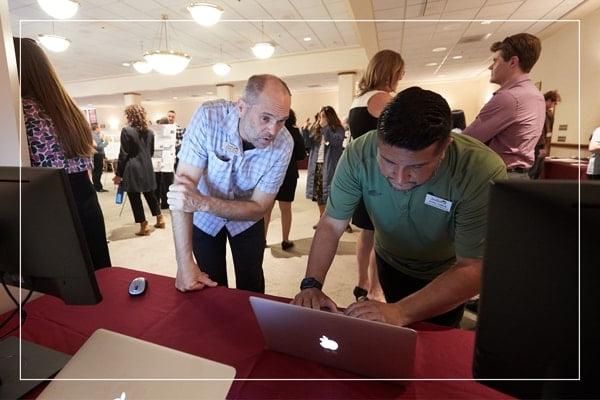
(231, 164)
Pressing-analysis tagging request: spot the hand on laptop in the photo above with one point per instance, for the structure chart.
(314, 298)
(376, 311)
(189, 277)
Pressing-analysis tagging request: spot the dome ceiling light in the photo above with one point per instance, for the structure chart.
(205, 14)
(59, 9)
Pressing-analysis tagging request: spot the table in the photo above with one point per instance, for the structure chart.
(218, 324)
(564, 168)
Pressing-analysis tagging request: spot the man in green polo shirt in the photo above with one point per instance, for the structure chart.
(426, 191)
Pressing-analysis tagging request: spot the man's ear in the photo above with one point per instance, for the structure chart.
(514, 62)
(242, 107)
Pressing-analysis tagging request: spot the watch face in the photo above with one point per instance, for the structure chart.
(308, 283)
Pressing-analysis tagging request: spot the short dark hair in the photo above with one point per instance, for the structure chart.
(171, 111)
(523, 45)
(291, 120)
(553, 96)
(94, 125)
(458, 120)
(415, 119)
(256, 85)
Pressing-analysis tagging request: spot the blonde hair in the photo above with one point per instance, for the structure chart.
(383, 68)
(136, 116)
(40, 82)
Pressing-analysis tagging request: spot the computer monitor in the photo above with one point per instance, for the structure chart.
(539, 235)
(54, 255)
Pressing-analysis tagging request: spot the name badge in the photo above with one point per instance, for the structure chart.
(438, 202)
(230, 148)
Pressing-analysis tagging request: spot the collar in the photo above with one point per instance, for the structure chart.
(230, 127)
(514, 82)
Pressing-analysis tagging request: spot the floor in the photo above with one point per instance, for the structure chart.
(283, 269)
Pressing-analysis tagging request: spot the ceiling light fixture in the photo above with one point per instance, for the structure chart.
(59, 9)
(307, 39)
(487, 22)
(205, 14)
(142, 66)
(54, 43)
(431, 64)
(221, 68)
(458, 57)
(263, 50)
(126, 64)
(167, 62)
(439, 49)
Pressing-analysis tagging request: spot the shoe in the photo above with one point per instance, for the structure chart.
(315, 225)
(349, 229)
(101, 190)
(360, 294)
(144, 230)
(160, 221)
(286, 245)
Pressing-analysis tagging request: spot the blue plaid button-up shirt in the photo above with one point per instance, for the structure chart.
(212, 142)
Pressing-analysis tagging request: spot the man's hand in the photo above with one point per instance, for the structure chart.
(376, 311)
(189, 277)
(314, 298)
(117, 180)
(184, 196)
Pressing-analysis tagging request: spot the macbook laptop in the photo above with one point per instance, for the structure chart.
(109, 355)
(363, 347)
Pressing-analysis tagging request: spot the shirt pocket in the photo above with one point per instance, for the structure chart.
(218, 175)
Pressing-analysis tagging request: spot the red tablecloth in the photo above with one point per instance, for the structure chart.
(564, 169)
(218, 324)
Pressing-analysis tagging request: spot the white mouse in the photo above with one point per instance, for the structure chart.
(138, 286)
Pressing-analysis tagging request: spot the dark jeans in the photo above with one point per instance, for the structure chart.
(97, 171)
(163, 181)
(247, 248)
(593, 177)
(92, 219)
(397, 285)
(137, 207)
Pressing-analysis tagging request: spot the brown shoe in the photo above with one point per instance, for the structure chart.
(144, 230)
(160, 221)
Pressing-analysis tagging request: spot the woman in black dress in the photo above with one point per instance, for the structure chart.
(134, 169)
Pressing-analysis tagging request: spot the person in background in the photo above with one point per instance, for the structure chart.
(512, 121)
(593, 171)
(232, 162)
(429, 213)
(171, 115)
(163, 179)
(59, 136)
(287, 191)
(325, 143)
(458, 121)
(100, 143)
(542, 147)
(381, 78)
(134, 169)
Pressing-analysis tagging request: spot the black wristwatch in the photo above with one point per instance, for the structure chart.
(309, 283)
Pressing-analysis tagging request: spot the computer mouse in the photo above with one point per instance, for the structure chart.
(138, 286)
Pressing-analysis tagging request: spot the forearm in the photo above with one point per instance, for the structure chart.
(324, 247)
(236, 210)
(461, 282)
(182, 234)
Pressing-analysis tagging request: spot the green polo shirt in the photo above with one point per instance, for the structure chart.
(420, 235)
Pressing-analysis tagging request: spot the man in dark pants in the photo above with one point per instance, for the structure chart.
(231, 164)
(427, 194)
(99, 143)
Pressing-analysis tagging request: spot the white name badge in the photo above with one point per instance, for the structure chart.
(230, 148)
(438, 202)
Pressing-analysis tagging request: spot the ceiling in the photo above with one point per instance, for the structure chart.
(110, 32)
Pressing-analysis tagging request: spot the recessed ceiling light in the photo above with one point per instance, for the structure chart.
(175, 97)
(209, 92)
(458, 57)
(487, 22)
(439, 49)
(126, 64)
(307, 39)
(487, 36)
(431, 64)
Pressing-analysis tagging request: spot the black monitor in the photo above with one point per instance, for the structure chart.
(54, 256)
(539, 235)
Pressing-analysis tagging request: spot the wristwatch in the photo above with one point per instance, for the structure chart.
(309, 283)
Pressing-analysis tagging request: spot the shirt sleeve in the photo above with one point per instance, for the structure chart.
(471, 217)
(346, 189)
(495, 116)
(193, 148)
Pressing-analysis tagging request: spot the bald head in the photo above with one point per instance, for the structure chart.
(257, 84)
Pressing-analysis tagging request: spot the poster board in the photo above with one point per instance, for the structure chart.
(164, 147)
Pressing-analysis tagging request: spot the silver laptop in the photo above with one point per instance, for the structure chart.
(109, 355)
(363, 347)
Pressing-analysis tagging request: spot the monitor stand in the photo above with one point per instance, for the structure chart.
(38, 362)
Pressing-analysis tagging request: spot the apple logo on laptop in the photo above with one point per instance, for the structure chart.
(328, 344)
(123, 396)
